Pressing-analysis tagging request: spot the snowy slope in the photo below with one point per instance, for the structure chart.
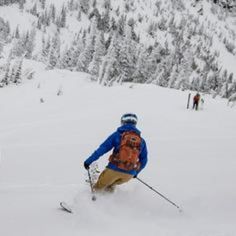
(218, 26)
(43, 146)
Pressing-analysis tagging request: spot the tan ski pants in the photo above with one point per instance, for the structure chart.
(108, 179)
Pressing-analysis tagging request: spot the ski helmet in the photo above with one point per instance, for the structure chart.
(129, 118)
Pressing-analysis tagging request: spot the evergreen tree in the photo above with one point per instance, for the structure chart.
(152, 60)
(127, 54)
(54, 54)
(45, 49)
(84, 6)
(86, 55)
(52, 12)
(71, 6)
(67, 58)
(140, 74)
(94, 4)
(121, 24)
(103, 22)
(17, 33)
(125, 60)
(18, 76)
(34, 11)
(61, 20)
(109, 68)
(4, 30)
(6, 78)
(163, 72)
(1, 48)
(186, 68)
(19, 46)
(173, 76)
(99, 52)
(43, 3)
(29, 43)
(21, 4)
(76, 48)
(79, 16)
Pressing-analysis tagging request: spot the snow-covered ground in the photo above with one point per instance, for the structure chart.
(43, 146)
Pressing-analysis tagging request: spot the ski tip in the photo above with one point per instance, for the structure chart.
(65, 207)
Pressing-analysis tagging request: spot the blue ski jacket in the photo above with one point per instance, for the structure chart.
(113, 142)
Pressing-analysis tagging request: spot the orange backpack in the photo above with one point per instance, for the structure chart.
(128, 156)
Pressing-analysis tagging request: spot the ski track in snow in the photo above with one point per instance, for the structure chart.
(43, 146)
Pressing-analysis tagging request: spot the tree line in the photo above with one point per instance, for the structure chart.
(111, 50)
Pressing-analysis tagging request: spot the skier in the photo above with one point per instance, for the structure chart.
(196, 99)
(128, 158)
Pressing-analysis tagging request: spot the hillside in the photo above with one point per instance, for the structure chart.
(176, 44)
(43, 146)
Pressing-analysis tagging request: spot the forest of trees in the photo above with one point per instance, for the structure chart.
(111, 51)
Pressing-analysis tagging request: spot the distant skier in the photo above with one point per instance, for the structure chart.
(196, 100)
(128, 158)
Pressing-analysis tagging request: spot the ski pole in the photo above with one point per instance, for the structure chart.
(189, 95)
(180, 210)
(91, 185)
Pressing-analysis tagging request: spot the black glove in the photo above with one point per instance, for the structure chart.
(86, 166)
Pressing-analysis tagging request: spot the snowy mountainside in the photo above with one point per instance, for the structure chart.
(43, 146)
(176, 44)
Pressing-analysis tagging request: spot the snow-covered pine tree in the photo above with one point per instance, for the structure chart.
(173, 76)
(84, 6)
(186, 68)
(1, 47)
(61, 20)
(232, 84)
(125, 57)
(99, 52)
(109, 68)
(104, 21)
(52, 12)
(86, 55)
(76, 48)
(4, 30)
(17, 33)
(33, 10)
(71, 5)
(225, 84)
(54, 54)
(121, 24)
(21, 4)
(70, 55)
(163, 72)
(43, 3)
(30, 43)
(25, 44)
(154, 58)
(140, 74)
(46, 45)
(19, 46)
(79, 16)
(6, 79)
(18, 75)
(227, 4)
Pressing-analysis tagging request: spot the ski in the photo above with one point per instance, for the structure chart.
(66, 207)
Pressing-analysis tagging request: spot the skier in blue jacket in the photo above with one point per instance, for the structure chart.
(128, 158)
